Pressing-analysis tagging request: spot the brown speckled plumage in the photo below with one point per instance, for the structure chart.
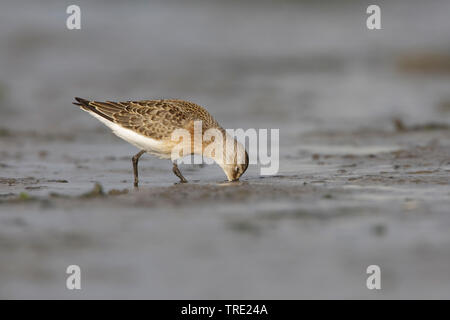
(155, 119)
(149, 125)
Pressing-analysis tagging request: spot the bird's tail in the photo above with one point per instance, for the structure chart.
(81, 102)
(92, 107)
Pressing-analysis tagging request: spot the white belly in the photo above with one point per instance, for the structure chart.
(152, 146)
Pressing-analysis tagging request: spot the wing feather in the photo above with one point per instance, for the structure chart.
(156, 119)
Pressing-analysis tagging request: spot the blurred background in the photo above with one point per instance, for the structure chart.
(348, 101)
(252, 63)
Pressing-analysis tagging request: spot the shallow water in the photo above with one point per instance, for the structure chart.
(353, 189)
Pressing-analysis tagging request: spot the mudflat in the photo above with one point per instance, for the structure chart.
(364, 151)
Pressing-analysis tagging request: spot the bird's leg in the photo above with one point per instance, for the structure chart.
(178, 173)
(135, 160)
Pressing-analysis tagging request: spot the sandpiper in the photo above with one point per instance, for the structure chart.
(149, 124)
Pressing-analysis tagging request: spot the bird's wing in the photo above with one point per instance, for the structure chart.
(156, 119)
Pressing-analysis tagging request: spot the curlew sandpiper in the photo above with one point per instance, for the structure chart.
(150, 124)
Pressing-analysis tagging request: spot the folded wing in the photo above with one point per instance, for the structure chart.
(156, 119)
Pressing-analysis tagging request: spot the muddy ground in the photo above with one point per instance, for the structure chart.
(310, 231)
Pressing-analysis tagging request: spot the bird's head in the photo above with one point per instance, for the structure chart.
(235, 161)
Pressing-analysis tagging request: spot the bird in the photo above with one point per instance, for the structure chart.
(149, 125)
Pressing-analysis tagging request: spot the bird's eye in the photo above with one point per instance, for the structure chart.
(236, 169)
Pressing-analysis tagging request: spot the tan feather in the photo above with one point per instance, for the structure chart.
(156, 119)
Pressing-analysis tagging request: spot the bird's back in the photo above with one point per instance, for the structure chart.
(156, 119)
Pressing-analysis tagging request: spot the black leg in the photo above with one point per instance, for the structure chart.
(178, 173)
(135, 160)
